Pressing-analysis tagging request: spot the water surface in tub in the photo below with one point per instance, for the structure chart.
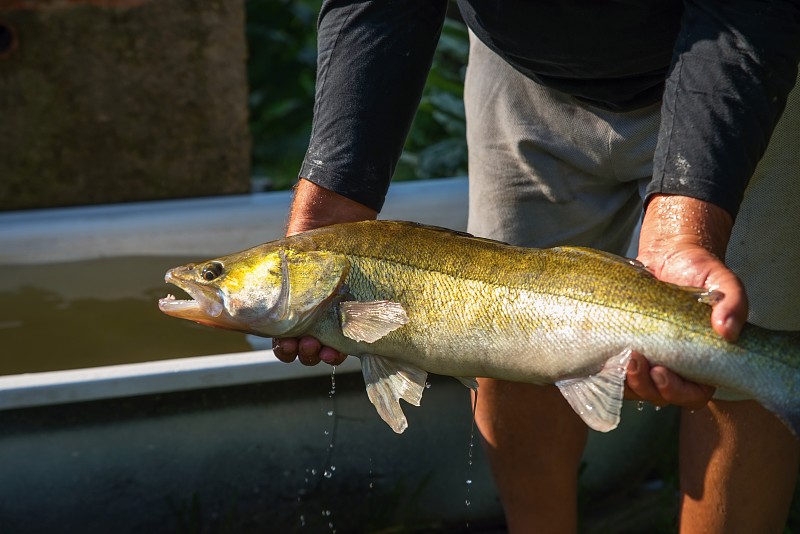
(97, 312)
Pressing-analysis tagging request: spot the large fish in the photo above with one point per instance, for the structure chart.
(409, 299)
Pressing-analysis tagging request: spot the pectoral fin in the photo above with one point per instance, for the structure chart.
(370, 321)
(388, 381)
(598, 398)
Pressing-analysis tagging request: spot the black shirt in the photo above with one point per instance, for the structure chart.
(722, 68)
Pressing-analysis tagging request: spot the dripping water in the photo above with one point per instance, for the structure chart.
(329, 469)
(468, 481)
(312, 481)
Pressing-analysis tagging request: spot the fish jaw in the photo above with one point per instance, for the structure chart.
(205, 305)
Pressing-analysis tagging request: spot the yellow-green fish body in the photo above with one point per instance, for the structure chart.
(409, 299)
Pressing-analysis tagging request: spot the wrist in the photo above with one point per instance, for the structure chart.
(678, 220)
(314, 206)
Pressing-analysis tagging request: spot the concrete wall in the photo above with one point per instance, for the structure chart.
(120, 100)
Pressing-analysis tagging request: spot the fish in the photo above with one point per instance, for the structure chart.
(409, 299)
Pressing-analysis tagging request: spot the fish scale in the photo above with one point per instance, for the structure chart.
(410, 299)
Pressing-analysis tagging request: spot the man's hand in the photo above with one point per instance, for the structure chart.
(313, 207)
(683, 241)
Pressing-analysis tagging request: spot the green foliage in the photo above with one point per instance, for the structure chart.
(281, 38)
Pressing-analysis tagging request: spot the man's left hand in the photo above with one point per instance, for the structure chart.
(683, 241)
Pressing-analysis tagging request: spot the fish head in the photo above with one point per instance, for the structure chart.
(268, 290)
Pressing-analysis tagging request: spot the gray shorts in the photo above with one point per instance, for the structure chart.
(546, 169)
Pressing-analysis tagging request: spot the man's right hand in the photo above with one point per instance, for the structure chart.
(313, 207)
(307, 349)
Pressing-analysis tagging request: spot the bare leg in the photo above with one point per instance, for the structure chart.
(738, 469)
(534, 443)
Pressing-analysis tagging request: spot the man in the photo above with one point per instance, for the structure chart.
(573, 108)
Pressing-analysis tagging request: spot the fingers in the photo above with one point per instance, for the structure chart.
(729, 314)
(660, 386)
(285, 349)
(307, 349)
(331, 356)
(638, 383)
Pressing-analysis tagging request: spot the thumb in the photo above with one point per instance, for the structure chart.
(729, 314)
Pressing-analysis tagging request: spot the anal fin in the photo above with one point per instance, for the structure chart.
(387, 382)
(598, 398)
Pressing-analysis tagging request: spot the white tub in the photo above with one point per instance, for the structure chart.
(234, 441)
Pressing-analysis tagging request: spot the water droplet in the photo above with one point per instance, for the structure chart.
(658, 408)
(427, 385)
(326, 432)
(313, 471)
(326, 513)
(469, 481)
(330, 413)
(467, 502)
(640, 406)
(327, 474)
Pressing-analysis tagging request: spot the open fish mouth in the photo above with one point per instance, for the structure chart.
(201, 304)
(174, 306)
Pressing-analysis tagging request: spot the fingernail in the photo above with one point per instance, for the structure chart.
(728, 327)
(633, 366)
(659, 379)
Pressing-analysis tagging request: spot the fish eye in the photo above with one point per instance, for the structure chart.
(211, 271)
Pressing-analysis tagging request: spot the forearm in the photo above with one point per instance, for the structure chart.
(314, 206)
(673, 219)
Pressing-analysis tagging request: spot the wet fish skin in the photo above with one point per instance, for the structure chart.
(409, 299)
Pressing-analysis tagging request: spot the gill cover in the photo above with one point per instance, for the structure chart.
(307, 280)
